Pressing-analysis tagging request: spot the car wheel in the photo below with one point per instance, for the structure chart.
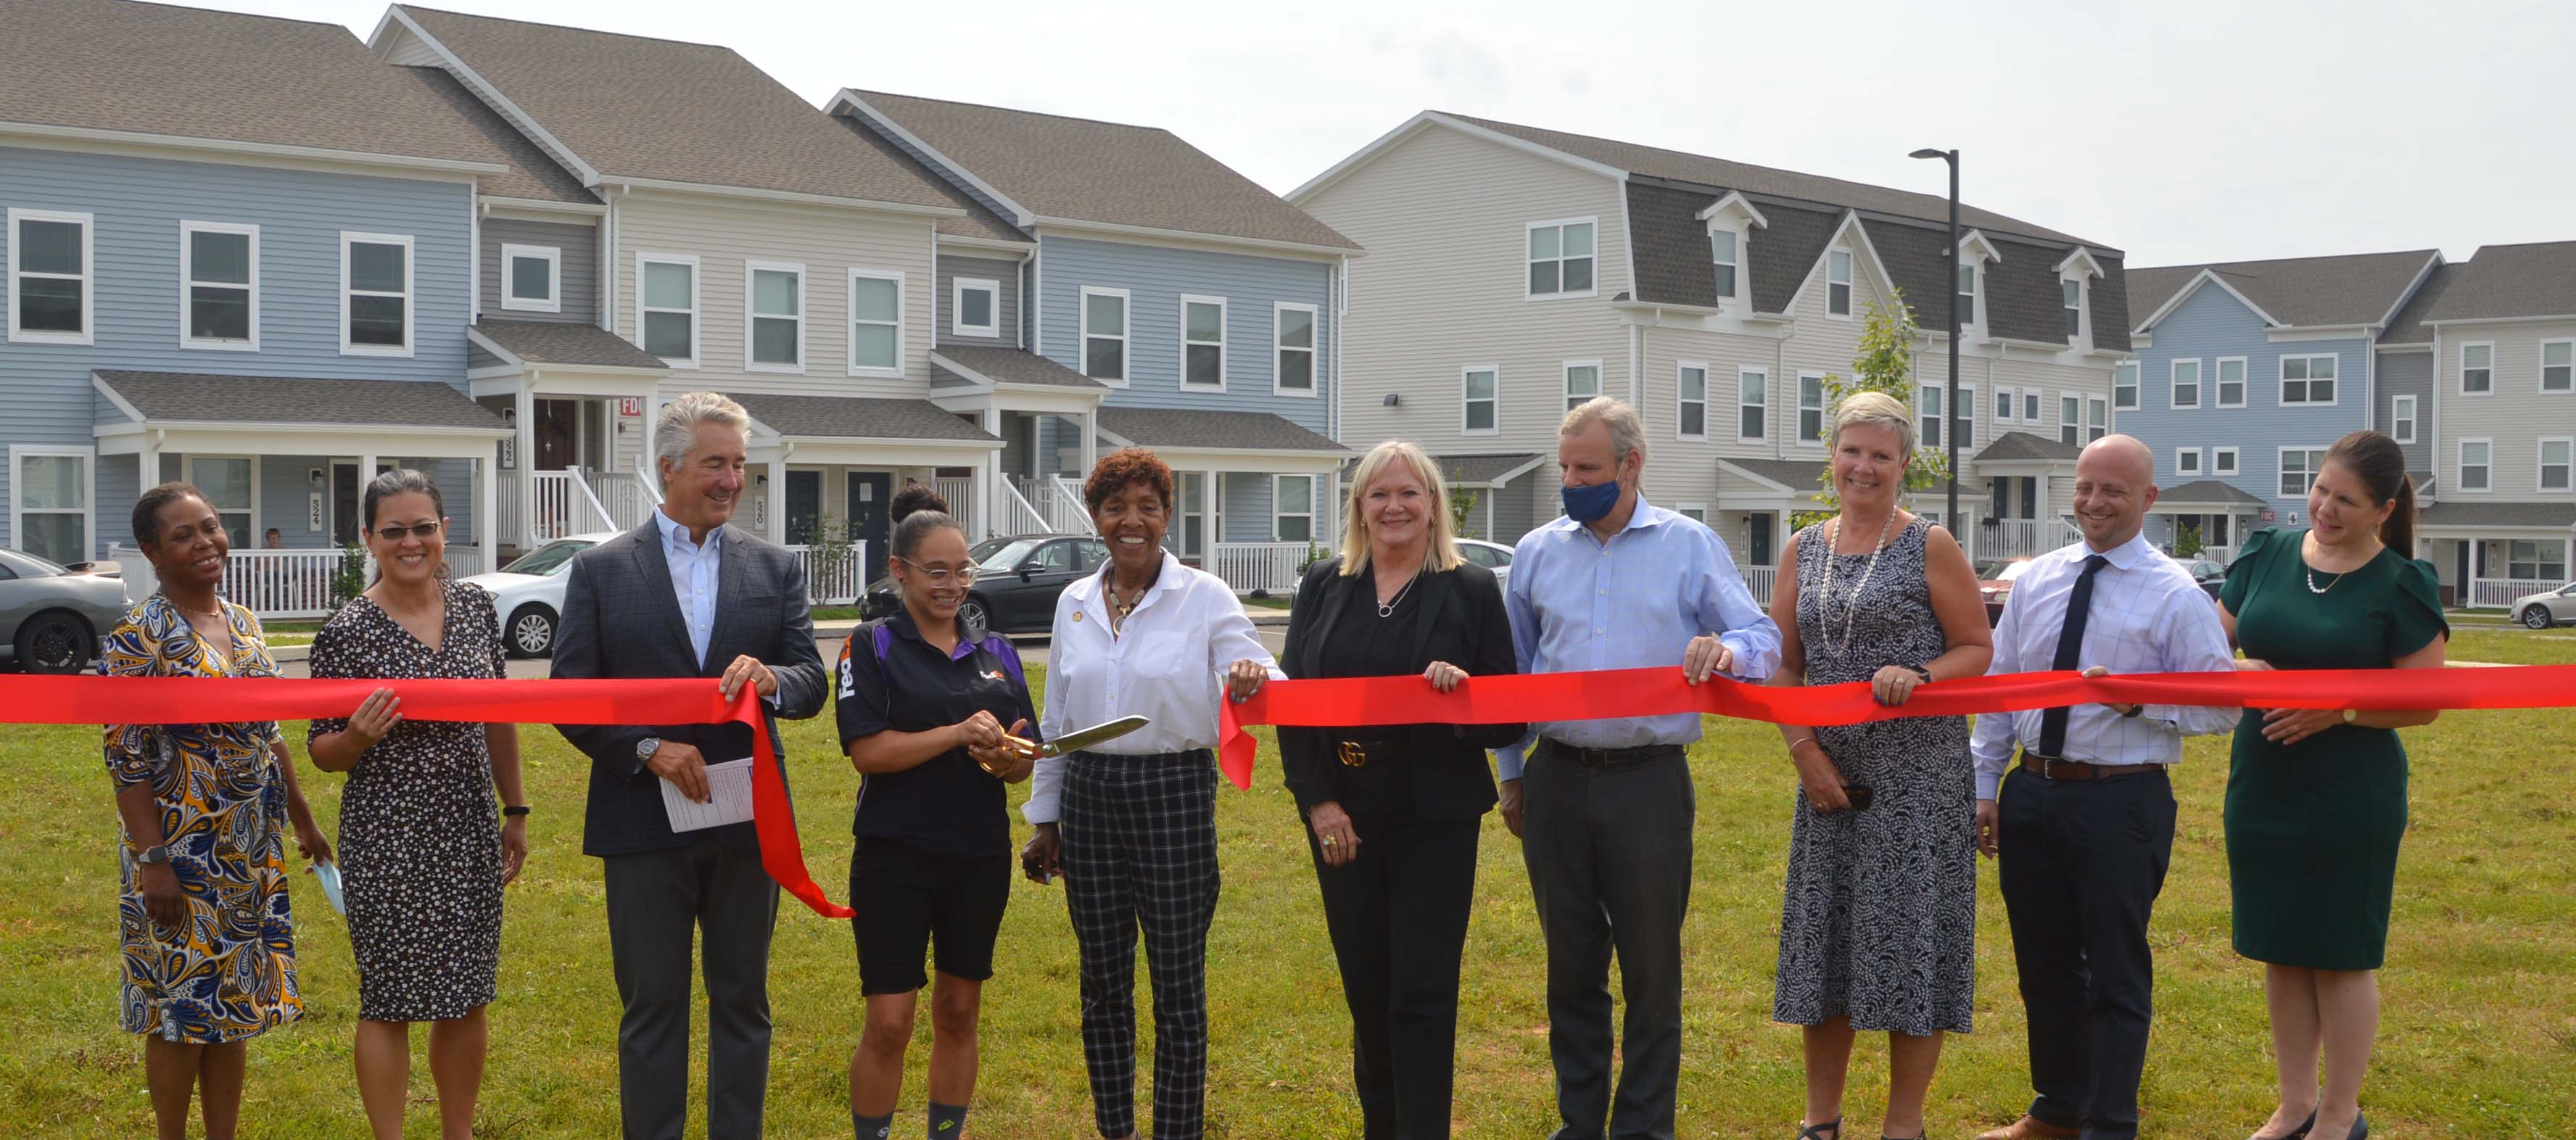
(976, 612)
(531, 632)
(2535, 617)
(55, 642)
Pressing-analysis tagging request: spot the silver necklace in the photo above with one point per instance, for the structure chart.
(1833, 554)
(1386, 609)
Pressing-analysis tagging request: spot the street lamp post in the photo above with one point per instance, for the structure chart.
(1950, 406)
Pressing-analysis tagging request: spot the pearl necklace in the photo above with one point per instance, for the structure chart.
(1833, 554)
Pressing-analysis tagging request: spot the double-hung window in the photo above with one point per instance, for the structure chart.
(49, 501)
(2477, 368)
(666, 307)
(2097, 418)
(1963, 416)
(219, 285)
(1561, 258)
(1811, 407)
(2558, 366)
(1967, 295)
(1292, 511)
(2231, 381)
(1292, 350)
(2187, 463)
(1480, 393)
(2557, 463)
(2070, 417)
(532, 278)
(2030, 406)
(776, 313)
(1691, 385)
(2401, 418)
(1202, 342)
(231, 486)
(2477, 465)
(2186, 384)
(375, 294)
(974, 307)
(1104, 335)
(1929, 397)
(2222, 462)
(2530, 559)
(2072, 293)
(1582, 382)
(1721, 246)
(2307, 380)
(52, 287)
(1752, 405)
(2124, 385)
(2007, 404)
(2299, 470)
(1838, 283)
(876, 322)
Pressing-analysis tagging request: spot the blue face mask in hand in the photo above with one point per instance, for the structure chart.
(1591, 504)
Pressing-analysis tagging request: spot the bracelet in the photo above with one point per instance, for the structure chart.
(514, 810)
(1793, 745)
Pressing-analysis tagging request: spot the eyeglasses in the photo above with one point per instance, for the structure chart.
(941, 575)
(398, 533)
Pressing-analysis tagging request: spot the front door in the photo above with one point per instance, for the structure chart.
(804, 505)
(346, 497)
(1757, 545)
(558, 434)
(869, 491)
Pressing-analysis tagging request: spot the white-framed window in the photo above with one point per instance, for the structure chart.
(1928, 400)
(219, 286)
(2307, 380)
(1752, 405)
(1203, 342)
(50, 492)
(2097, 418)
(2185, 390)
(375, 294)
(2532, 559)
(666, 307)
(2299, 470)
(2223, 462)
(2124, 385)
(2231, 382)
(1104, 335)
(1292, 349)
(974, 306)
(1695, 512)
(231, 484)
(2071, 293)
(1582, 382)
(2030, 406)
(2070, 418)
(2477, 465)
(1838, 283)
(2477, 368)
(1292, 508)
(1480, 399)
(2007, 405)
(2187, 463)
(876, 322)
(2557, 463)
(773, 317)
(532, 278)
(52, 285)
(1690, 387)
(1727, 261)
(1811, 408)
(2401, 418)
(1963, 418)
(1967, 295)
(1561, 257)
(2558, 366)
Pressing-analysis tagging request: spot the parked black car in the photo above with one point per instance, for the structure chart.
(1021, 576)
(51, 618)
(2208, 575)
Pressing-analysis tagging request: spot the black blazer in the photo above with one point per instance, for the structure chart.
(622, 619)
(1439, 771)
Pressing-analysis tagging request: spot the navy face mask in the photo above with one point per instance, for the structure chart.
(1591, 504)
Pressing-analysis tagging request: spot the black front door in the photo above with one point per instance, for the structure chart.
(804, 505)
(344, 503)
(869, 491)
(1758, 544)
(558, 434)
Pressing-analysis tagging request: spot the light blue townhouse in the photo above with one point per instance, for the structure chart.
(2243, 374)
(1153, 298)
(262, 288)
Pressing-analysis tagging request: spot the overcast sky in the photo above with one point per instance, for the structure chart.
(2180, 131)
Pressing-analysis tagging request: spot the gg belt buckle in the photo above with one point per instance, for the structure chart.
(1354, 754)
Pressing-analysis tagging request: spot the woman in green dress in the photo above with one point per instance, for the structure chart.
(2316, 798)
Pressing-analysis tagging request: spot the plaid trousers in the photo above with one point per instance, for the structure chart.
(1139, 835)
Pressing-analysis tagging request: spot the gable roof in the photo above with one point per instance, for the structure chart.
(564, 343)
(977, 363)
(2408, 326)
(2208, 491)
(531, 174)
(1210, 431)
(2024, 447)
(2347, 289)
(2535, 280)
(187, 397)
(856, 417)
(1085, 170)
(197, 74)
(646, 111)
(979, 221)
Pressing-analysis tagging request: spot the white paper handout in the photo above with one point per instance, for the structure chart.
(728, 798)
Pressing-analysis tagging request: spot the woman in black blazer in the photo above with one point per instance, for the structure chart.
(1393, 811)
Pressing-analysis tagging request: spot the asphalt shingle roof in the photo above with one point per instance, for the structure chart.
(670, 111)
(979, 221)
(562, 343)
(2350, 289)
(1795, 474)
(2408, 326)
(1013, 366)
(183, 397)
(2207, 491)
(532, 174)
(2461, 512)
(1087, 170)
(2023, 447)
(1478, 470)
(855, 417)
(196, 73)
(1222, 431)
(2537, 280)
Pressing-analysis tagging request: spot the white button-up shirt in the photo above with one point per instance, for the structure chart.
(2147, 616)
(693, 577)
(1167, 665)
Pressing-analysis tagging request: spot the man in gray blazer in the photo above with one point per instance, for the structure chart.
(684, 595)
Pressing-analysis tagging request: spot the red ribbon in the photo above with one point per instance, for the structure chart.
(1350, 702)
(196, 700)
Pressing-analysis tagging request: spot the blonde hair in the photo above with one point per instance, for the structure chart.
(1443, 553)
(1627, 432)
(1874, 409)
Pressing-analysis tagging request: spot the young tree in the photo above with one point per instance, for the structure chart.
(1885, 364)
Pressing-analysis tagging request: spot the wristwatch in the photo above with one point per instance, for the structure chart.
(157, 853)
(2351, 715)
(644, 750)
(1923, 671)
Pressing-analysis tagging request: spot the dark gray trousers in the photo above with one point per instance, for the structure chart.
(657, 902)
(1609, 855)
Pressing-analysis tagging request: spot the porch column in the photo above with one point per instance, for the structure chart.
(524, 448)
(987, 475)
(1332, 532)
(1090, 442)
(777, 522)
(487, 502)
(1212, 492)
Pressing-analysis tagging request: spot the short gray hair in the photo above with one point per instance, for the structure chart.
(1874, 409)
(675, 428)
(1627, 432)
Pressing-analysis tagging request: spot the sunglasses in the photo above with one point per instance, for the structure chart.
(398, 533)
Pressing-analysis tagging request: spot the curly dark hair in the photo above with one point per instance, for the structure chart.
(915, 497)
(1123, 468)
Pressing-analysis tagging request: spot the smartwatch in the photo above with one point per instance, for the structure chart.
(157, 853)
(1923, 671)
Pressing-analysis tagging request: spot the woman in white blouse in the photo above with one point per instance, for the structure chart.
(1132, 826)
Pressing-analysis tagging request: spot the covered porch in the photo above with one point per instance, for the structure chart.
(577, 400)
(2030, 487)
(1260, 496)
(825, 468)
(2489, 554)
(1047, 417)
(1757, 501)
(2213, 515)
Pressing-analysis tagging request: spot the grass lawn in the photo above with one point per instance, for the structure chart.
(2478, 1037)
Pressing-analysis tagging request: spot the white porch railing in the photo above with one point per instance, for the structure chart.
(566, 506)
(2018, 538)
(1019, 516)
(2497, 593)
(962, 504)
(1057, 501)
(2222, 555)
(626, 496)
(278, 584)
(1266, 566)
(1759, 580)
(839, 584)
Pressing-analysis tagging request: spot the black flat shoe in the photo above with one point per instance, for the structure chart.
(1829, 1130)
(2299, 1133)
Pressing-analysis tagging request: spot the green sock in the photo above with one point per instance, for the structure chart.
(947, 1121)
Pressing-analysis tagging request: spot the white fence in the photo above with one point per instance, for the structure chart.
(962, 504)
(566, 505)
(841, 583)
(1267, 566)
(2497, 593)
(2222, 555)
(1759, 580)
(2018, 538)
(277, 584)
(627, 496)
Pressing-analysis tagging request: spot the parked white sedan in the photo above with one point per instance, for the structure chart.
(527, 595)
(2546, 608)
(1492, 556)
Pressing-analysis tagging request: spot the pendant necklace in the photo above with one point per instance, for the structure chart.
(1386, 609)
(1833, 555)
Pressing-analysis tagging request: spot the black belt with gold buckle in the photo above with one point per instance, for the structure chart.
(1355, 753)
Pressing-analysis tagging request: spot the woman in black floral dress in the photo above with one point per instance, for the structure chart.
(423, 858)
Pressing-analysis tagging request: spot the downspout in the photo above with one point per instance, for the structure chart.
(474, 210)
(1341, 289)
(1636, 344)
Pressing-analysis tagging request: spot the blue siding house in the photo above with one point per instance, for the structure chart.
(2244, 373)
(1172, 304)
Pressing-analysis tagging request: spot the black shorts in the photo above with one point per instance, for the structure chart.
(909, 899)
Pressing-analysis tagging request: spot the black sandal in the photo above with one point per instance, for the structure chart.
(1818, 1131)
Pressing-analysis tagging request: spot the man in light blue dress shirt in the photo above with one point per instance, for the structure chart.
(1604, 808)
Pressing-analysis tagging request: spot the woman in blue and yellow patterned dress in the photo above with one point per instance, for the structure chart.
(209, 943)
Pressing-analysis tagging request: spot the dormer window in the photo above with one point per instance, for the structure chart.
(1967, 295)
(2074, 295)
(1722, 251)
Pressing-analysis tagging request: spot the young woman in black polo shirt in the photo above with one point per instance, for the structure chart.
(924, 701)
